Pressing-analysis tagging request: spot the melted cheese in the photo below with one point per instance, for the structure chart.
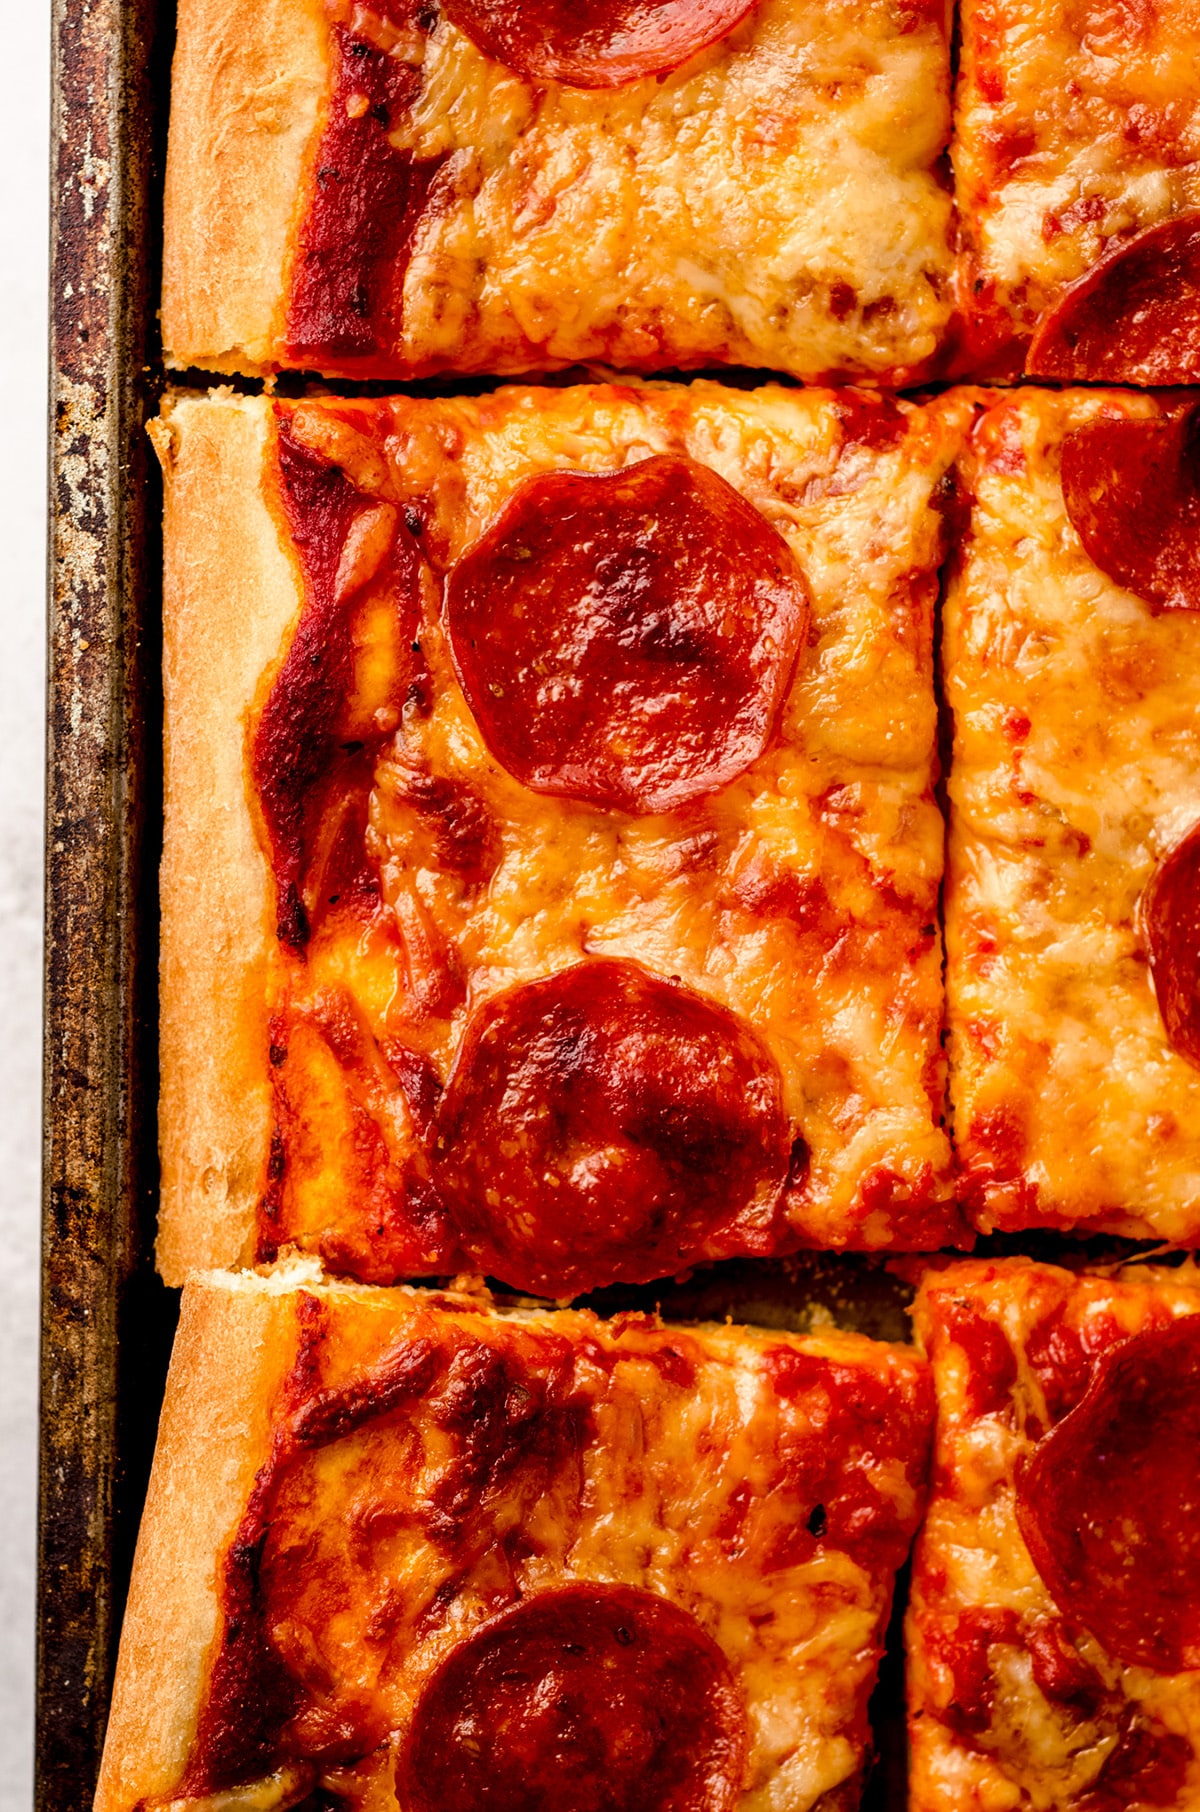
(1076, 126)
(851, 1007)
(685, 1439)
(772, 203)
(711, 215)
(1062, 1080)
(1033, 1753)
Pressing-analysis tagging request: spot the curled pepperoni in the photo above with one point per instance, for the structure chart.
(594, 43)
(627, 637)
(1134, 318)
(1132, 491)
(1109, 1505)
(581, 1699)
(606, 1126)
(1170, 914)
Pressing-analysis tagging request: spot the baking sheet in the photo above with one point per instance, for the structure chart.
(107, 1321)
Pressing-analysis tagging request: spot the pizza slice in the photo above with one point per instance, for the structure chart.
(406, 188)
(551, 861)
(405, 1553)
(1054, 1626)
(1071, 649)
(1077, 174)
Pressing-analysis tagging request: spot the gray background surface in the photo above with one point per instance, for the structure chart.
(24, 153)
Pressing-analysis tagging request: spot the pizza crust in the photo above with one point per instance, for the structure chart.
(245, 105)
(232, 1348)
(229, 593)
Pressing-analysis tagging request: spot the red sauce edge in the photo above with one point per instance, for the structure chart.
(345, 308)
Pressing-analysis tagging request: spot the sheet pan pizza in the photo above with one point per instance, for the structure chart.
(495, 187)
(568, 788)
(406, 188)
(403, 1551)
(521, 908)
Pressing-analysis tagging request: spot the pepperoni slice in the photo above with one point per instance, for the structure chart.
(1134, 318)
(602, 1125)
(627, 637)
(1132, 491)
(594, 43)
(582, 1699)
(1170, 915)
(1109, 1505)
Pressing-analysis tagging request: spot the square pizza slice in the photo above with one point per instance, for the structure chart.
(407, 1554)
(1054, 1627)
(1072, 664)
(551, 859)
(496, 186)
(1077, 174)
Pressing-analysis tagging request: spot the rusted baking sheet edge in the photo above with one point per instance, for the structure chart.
(105, 1322)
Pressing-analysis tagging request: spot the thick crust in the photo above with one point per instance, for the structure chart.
(245, 106)
(229, 593)
(231, 1349)
(677, 221)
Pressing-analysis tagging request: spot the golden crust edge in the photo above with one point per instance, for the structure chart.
(221, 550)
(232, 1349)
(245, 110)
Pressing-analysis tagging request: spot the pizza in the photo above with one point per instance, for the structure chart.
(524, 911)
(1053, 1633)
(563, 836)
(1071, 652)
(489, 186)
(1076, 157)
(404, 1551)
